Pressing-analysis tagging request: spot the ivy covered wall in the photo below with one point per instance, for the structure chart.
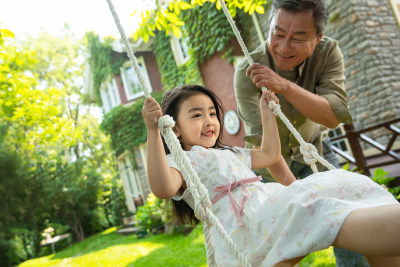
(207, 32)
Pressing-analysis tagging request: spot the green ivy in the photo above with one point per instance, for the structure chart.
(103, 61)
(171, 74)
(126, 126)
(208, 31)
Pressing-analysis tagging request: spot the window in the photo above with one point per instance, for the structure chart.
(133, 88)
(342, 143)
(129, 180)
(109, 95)
(180, 49)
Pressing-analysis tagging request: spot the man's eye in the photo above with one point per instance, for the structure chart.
(298, 40)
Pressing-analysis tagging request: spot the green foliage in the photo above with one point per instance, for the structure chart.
(208, 31)
(380, 177)
(347, 168)
(126, 126)
(171, 74)
(149, 216)
(103, 61)
(323, 258)
(168, 20)
(55, 163)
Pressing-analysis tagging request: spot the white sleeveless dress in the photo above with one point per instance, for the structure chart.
(279, 222)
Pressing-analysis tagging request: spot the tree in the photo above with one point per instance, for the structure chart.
(60, 168)
(166, 15)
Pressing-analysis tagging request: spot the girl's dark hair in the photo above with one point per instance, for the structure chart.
(173, 100)
(171, 105)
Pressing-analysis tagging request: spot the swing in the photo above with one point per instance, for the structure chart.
(203, 206)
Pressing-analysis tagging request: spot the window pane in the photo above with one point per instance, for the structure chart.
(133, 80)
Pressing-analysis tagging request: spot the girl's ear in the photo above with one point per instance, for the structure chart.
(177, 130)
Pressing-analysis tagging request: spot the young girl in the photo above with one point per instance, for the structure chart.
(271, 223)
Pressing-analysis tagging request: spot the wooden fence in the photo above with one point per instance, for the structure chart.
(386, 156)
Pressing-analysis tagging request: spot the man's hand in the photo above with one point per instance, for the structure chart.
(311, 105)
(263, 76)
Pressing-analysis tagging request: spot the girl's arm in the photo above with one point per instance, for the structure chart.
(268, 155)
(269, 152)
(164, 181)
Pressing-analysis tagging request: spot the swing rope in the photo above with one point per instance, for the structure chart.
(310, 153)
(203, 205)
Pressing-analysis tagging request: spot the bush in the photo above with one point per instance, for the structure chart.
(380, 177)
(149, 216)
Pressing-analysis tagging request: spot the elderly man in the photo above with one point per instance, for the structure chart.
(305, 69)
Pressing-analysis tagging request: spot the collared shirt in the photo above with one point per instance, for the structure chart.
(321, 74)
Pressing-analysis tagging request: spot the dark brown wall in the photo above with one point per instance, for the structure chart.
(152, 70)
(217, 75)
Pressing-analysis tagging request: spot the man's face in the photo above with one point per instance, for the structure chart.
(292, 38)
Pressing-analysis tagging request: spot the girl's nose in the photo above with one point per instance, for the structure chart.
(209, 121)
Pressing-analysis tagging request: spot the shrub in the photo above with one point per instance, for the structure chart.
(149, 216)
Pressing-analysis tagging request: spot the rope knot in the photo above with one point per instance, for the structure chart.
(310, 153)
(165, 122)
(274, 107)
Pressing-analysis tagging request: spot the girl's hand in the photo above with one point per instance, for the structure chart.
(267, 96)
(151, 113)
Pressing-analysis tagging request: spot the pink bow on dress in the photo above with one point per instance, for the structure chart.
(226, 190)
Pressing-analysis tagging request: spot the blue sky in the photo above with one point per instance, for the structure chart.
(28, 16)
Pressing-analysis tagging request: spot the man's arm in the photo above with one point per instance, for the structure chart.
(314, 107)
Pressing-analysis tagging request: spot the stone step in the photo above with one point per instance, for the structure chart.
(131, 230)
(129, 225)
(128, 220)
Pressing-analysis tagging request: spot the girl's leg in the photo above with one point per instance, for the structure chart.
(372, 231)
(383, 261)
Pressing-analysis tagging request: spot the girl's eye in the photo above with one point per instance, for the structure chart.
(196, 115)
(213, 114)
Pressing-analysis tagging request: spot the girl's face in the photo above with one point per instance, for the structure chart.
(197, 122)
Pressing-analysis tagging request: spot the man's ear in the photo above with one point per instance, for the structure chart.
(319, 38)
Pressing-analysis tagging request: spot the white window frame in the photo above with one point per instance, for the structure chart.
(344, 141)
(130, 181)
(110, 95)
(177, 50)
(127, 88)
(396, 10)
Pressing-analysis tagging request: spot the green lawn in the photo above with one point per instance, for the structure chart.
(112, 249)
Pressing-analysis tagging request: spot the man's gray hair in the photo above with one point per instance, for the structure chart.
(317, 8)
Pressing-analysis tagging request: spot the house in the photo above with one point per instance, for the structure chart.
(368, 34)
(123, 89)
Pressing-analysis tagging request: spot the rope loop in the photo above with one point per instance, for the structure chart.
(274, 107)
(309, 153)
(165, 122)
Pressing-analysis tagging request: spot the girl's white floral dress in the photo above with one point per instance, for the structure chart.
(271, 222)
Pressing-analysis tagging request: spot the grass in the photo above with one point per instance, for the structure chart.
(111, 249)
